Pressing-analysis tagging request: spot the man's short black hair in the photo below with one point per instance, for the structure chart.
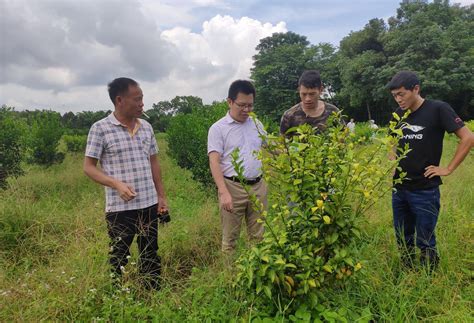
(406, 79)
(240, 86)
(310, 79)
(119, 86)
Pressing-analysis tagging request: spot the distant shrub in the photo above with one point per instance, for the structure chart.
(363, 130)
(187, 139)
(46, 131)
(11, 146)
(75, 143)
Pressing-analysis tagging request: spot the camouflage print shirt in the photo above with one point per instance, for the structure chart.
(295, 116)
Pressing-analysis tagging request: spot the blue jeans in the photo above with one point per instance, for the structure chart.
(416, 211)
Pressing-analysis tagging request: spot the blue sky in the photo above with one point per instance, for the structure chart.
(320, 21)
(60, 54)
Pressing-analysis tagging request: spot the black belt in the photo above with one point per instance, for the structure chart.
(245, 181)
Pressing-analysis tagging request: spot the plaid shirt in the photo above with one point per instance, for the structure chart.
(125, 157)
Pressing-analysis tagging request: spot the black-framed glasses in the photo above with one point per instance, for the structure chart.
(242, 106)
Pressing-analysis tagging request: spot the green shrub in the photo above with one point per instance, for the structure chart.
(11, 145)
(187, 139)
(75, 143)
(323, 184)
(46, 131)
(363, 131)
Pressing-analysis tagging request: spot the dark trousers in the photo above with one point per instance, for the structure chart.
(122, 228)
(416, 212)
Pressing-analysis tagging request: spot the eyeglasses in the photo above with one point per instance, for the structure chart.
(242, 106)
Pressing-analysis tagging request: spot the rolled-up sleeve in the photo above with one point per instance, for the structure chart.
(215, 141)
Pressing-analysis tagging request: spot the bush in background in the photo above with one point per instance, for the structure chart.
(46, 131)
(11, 145)
(363, 131)
(75, 143)
(187, 139)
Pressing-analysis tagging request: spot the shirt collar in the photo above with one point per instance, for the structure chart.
(114, 120)
(230, 120)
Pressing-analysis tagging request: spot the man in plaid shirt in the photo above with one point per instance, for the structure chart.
(130, 171)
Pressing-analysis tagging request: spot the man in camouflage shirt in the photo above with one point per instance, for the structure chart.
(311, 109)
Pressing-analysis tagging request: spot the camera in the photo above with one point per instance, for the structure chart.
(163, 216)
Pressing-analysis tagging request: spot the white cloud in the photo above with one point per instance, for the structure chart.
(463, 2)
(220, 53)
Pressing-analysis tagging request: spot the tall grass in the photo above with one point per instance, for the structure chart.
(53, 256)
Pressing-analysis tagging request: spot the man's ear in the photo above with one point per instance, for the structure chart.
(229, 102)
(416, 89)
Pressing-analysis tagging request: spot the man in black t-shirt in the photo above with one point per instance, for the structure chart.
(416, 201)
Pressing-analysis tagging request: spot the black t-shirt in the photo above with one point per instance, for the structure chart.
(424, 130)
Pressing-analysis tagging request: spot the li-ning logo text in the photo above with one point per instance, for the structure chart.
(413, 128)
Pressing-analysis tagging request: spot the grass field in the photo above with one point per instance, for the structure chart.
(53, 256)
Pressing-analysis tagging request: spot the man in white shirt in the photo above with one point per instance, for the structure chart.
(351, 125)
(237, 130)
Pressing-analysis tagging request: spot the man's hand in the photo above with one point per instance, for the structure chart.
(225, 201)
(126, 192)
(432, 171)
(162, 204)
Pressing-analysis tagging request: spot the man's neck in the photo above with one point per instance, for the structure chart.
(418, 103)
(129, 122)
(314, 111)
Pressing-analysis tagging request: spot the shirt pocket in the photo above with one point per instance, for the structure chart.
(145, 145)
(114, 148)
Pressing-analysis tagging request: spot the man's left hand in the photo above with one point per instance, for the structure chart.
(432, 171)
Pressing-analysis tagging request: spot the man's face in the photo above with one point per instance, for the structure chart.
(241, 106)
(309, 96)
(406, 99)
(130, 104)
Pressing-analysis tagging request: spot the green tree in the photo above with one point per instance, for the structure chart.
(360, 60)
(280, 60)
(46, 131)
(436, 40)
(163, 111)
(187, 138)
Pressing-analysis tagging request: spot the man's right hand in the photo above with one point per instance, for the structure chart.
(126, 192)
(225, 201)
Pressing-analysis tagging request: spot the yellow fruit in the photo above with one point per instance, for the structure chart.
(290, 281)
(319, 203)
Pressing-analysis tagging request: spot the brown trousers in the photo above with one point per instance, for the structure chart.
(242, 209)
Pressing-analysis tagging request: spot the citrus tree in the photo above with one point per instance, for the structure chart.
(322, 184)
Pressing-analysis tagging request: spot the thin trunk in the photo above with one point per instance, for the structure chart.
(368, 111)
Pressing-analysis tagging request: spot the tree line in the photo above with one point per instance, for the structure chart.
(435, 40)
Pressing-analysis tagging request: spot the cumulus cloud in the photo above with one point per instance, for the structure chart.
(220, 53)
(61, 54)
(59, 44)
